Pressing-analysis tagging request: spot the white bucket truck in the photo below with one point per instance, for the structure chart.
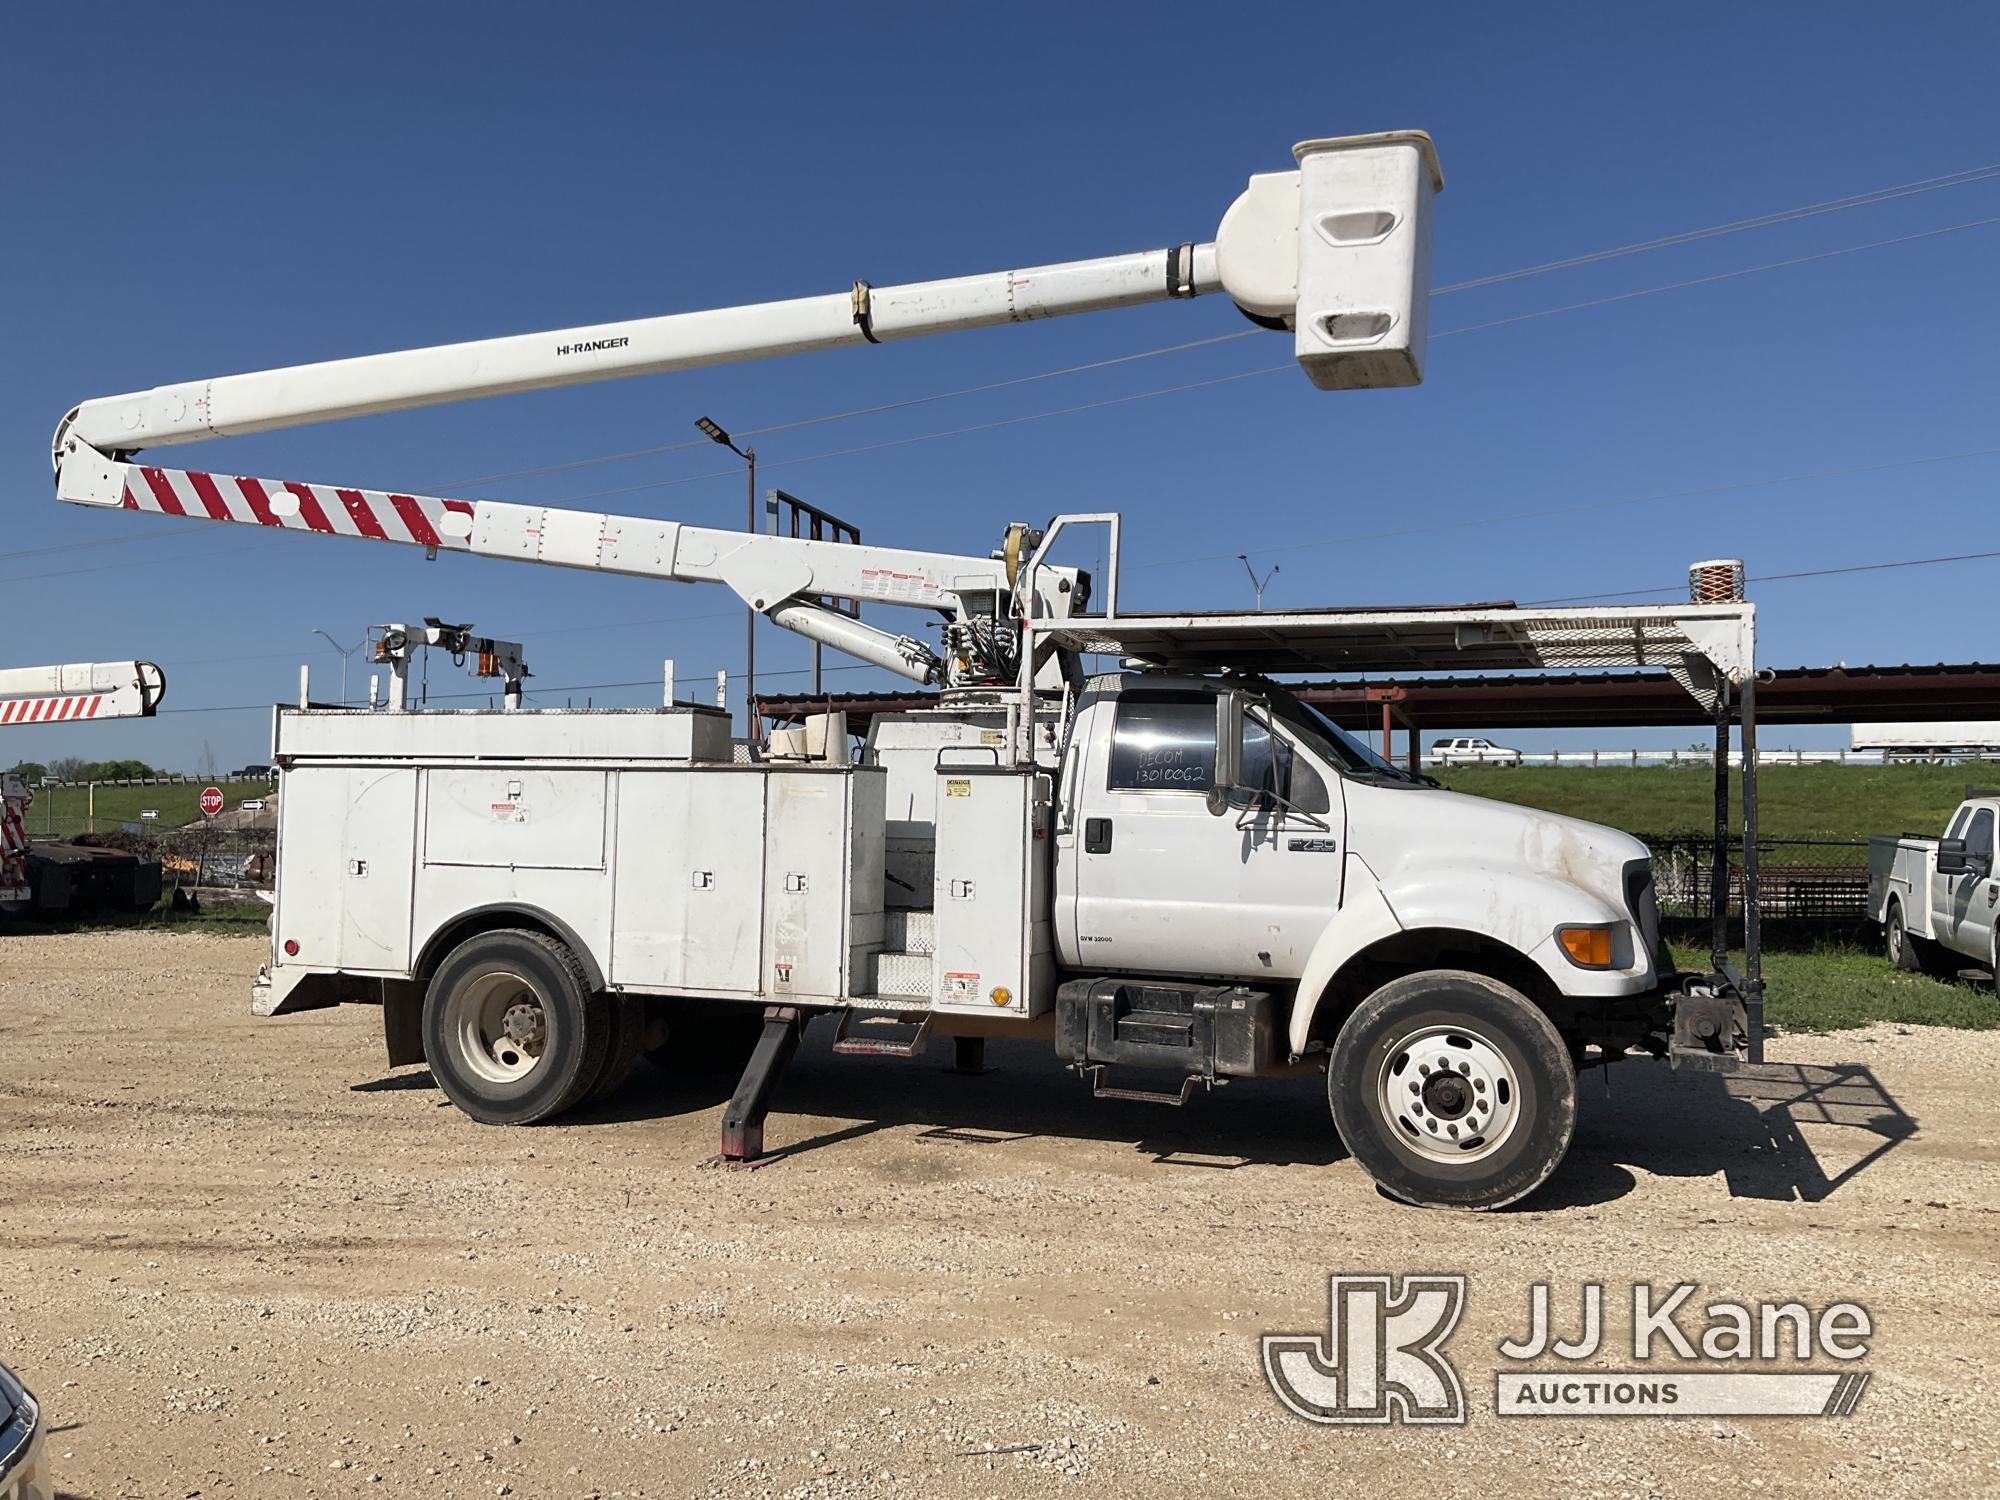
(1173, 867)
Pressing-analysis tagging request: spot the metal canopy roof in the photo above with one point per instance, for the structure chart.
(1692, 641)
(1610, 700)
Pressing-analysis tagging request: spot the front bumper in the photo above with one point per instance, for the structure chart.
(1687, 1019)
(1706, 1022)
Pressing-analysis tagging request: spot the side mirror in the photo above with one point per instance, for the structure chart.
(1228, 751)
(1952, 858)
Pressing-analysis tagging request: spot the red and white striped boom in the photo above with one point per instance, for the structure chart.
(777, 575)
(80, 690)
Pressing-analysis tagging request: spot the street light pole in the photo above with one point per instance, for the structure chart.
(715, 434)
(345, 653)
(1244, 558)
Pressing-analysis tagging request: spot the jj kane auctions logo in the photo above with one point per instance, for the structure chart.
(1382, 1356)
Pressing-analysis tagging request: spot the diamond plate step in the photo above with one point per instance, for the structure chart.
(885, 1042)
(909, 931)
(903, 974)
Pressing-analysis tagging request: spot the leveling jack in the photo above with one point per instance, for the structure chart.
(743, 1120)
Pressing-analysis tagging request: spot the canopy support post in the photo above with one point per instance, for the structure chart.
(1718, 874)
(1753, 958)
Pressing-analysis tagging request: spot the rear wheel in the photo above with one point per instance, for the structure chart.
(627, 1015)
(1900, 945)
(1453, 1090)
(513, 1031)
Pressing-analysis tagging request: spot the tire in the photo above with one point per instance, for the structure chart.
(1418, 1143)
(1897, 942)
(621, 1054)
(512, 1028)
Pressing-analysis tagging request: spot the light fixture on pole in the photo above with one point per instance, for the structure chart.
(345, 653)
(715, 434)
(1255, 582)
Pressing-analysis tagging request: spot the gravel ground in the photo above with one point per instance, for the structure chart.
(242, 1258)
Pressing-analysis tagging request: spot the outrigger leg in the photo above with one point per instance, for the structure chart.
(743, 1120)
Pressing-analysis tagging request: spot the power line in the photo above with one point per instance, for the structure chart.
(145, 562)
(1876, 567)
(1620, 502)
(1963, 178)
(922, 437)
(861, 411)
(1675, 286)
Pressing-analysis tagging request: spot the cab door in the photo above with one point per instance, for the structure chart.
(1160, 884)
(1963, 905)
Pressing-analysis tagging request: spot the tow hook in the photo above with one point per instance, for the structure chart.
(1710, 1026)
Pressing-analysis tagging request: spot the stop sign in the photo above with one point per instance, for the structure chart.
(211, 801)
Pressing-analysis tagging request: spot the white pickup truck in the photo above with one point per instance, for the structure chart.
(1937, 897)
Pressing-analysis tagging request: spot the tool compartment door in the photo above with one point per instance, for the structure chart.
(514, 818)
(346, 863)
(995, 949)
(687, 902)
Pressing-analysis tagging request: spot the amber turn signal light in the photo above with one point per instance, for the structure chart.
(1587, 947)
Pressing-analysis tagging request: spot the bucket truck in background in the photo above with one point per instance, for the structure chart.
(53, 876)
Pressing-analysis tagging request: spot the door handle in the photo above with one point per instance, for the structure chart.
(1096, 835)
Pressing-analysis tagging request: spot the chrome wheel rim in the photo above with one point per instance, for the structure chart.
(498, 1026)
(1449, 1094)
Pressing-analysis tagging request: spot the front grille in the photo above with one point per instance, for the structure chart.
(1643, 905)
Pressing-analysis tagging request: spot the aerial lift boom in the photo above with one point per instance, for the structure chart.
(1336, 251)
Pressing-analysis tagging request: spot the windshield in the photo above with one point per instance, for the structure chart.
(1329, 741)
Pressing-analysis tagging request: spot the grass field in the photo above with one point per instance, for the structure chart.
(1826, 801)
(1834, 982)
(1839, 985)
(1813, 982)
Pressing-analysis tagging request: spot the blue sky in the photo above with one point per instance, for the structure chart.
(195, 192)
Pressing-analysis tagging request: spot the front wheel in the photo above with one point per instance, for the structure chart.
(1900, 946)
(1453, 1090)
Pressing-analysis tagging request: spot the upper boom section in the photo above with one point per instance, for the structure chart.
(1337, 251)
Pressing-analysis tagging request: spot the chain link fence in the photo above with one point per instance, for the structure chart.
(1812, 879)
(159, 818)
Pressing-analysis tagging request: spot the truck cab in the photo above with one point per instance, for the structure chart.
(1315, 852)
